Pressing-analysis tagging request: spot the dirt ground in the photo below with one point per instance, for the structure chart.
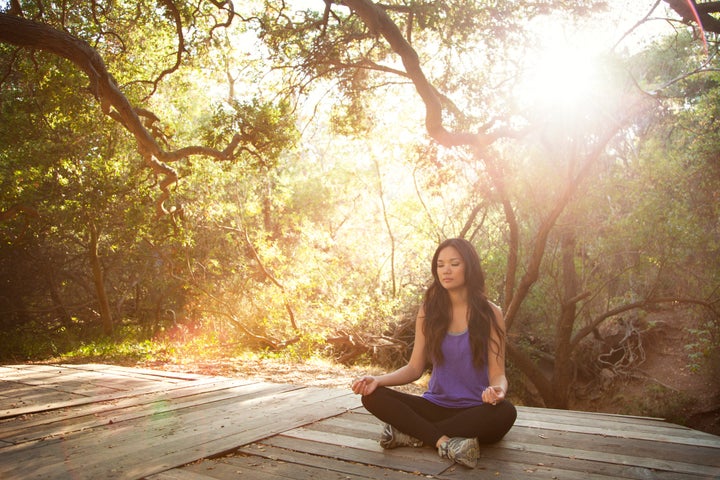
(669, 384)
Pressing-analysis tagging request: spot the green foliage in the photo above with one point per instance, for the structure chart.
(704, 345)
(266, 129)
(325, 221)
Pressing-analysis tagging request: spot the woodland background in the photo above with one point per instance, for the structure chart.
(268, 179)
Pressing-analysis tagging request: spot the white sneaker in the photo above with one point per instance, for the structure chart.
(464, 451)
(391, 437)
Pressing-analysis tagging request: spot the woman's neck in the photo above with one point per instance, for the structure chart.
(458, 311)
(458, 298)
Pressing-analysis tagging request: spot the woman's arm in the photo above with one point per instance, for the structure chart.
(496, 361)
(403, 375)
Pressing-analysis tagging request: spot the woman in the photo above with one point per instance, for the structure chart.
(463, 335)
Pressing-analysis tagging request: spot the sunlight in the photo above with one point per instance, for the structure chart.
(560, 77)
(563, 71)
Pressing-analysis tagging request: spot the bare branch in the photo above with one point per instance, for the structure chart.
(639, 305)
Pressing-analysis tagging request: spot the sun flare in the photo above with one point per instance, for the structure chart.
(561, 77)
(562, 72)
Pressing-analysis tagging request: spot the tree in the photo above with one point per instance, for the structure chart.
(483, 143)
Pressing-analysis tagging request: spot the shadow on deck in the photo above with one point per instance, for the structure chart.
(107, 422)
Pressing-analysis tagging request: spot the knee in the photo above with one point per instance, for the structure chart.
(506, 415)
(509, 412)
(371, 401)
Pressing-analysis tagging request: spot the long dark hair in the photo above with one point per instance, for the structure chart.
(481, 317)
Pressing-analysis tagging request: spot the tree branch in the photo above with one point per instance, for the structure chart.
(692, 12)
(379, 23)
(588, 329)
(25, 33)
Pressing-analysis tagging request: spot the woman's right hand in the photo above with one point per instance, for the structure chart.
(365, 385)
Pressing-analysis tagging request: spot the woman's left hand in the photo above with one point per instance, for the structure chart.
(493, 395)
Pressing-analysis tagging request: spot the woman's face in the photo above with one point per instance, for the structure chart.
(451, 269)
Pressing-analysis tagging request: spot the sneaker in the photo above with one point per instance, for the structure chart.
(391, 437)
(464, 451)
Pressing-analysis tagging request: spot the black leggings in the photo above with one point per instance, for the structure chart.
(427, 421)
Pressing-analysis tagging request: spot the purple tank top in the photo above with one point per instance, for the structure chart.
(456, 383)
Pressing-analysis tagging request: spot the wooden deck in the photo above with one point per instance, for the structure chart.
(107, 422)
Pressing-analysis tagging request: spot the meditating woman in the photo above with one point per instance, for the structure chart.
(462, 335)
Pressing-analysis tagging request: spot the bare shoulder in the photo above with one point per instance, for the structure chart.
(499, 317)
(496, 309)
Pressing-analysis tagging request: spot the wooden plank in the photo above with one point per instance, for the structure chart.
(348, 424)
(179, 474)
(610, 430)
(140, 408)
(421, 461)
(13, 426)
(498, 457)
(140, 447)
(608, 425)
(264, 470)
(276, 420)
(147, 412)
(107, 370)
(520, 465)
(133, 371)
(652, 454)
(592, 416)
(599, 456)
(27, 397)
(615, 445)
(151, 387)
(11, 388)
(303, 433)
(76, 383)
(286, 463)
(615, 423)
(324, 432)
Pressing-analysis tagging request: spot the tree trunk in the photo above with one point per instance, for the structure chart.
(563, 371)
(99, 280)
(57, 300)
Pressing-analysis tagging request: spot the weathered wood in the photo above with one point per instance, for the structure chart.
(113, 415)
(205, 426)
(160, 426)
(51, 424)
(150, 385)
(270, 458)
(180, 474)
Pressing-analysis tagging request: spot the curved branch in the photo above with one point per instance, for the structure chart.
(694, 12)
(378, 22)
(25, 33)
(16, 210)
(172, 9)
(588, 329)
